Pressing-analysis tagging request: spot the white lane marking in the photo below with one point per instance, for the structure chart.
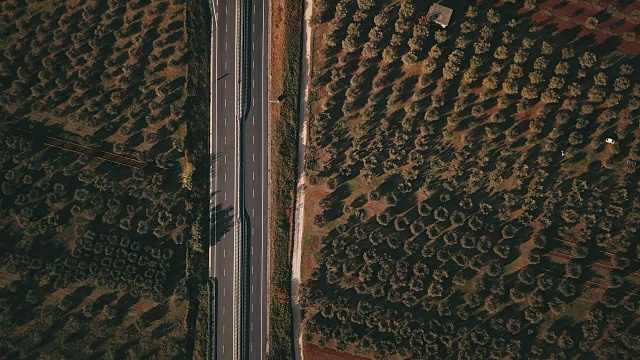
(252, 289)
(225, 196)
(253, 212)
(254, 8)
(253, 120)
(225, 120)
(224, 253)
(225, 158)
(253, 192)
(225, 27)
(253, 64)
(225, 86)
(253, 101)
(225, 102)
(253, 176)
(225, 9)
(224, 291)
(253, 139)
(225, 46)
(251, 274)
(225, 177)
(253, 44)
(253, 83)
(251, 249)
(253, 157)
(223, 345)
(225, 140)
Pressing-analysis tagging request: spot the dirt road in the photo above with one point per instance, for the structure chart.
(299, 211)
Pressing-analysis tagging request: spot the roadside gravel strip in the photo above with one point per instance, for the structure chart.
(299, 210)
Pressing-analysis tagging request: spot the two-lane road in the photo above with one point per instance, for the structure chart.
(224, 177)
(256, 176)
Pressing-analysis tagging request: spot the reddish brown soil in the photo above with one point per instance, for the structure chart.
(314, 352)
(375, 207)
(571, 14)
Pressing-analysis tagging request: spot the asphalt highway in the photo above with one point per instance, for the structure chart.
(224, 177)
(256, 176)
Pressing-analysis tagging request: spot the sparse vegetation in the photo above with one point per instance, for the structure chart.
(284, 135)
(101, 254)
(502, 223)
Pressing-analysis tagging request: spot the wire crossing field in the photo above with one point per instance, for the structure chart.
(102, 182)
(473, 189)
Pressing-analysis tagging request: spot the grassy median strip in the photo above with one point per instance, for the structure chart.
(283, 179)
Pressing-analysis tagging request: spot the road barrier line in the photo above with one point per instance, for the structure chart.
(213, 69)
(243, 113)
(237, 304)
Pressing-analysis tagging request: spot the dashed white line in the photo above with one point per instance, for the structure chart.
(225, 140)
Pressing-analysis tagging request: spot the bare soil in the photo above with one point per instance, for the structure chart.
(315, 352)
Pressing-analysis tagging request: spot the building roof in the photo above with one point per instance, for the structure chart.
(440, 14)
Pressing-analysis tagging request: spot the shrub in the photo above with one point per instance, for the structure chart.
(573, 270)
(592, 23)
(441, 213)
